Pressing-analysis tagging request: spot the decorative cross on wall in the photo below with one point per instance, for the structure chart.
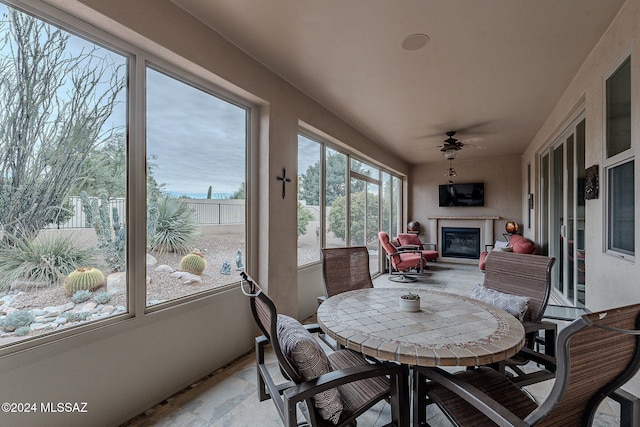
(284, 180)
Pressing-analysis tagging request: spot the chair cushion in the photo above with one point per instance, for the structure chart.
(357, 394)
(304, 352)
(521, 245)
(495, 384)
(408, 261)
(483, 260)
(513, 304)
(410, 239)
(407, 239)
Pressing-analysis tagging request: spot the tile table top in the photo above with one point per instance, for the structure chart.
(449, 329)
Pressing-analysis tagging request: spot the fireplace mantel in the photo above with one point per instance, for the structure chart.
(485, 223)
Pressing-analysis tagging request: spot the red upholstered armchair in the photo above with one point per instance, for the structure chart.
(402, 264)
(516, 243)
(412, 241)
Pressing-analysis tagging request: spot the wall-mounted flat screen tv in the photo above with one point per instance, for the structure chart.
(461, 194)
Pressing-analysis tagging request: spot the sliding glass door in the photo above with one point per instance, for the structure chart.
(562, 172)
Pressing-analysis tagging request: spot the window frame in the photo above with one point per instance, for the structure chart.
(616, 160)
(137, 60)
(184, 77)
(324, 142)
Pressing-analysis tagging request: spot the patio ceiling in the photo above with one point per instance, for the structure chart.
(492, 70)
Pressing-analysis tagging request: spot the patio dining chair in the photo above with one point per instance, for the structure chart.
(345, 269)
(597, 353)
(527, 276)
(331, 389)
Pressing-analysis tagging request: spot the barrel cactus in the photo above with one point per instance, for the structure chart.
(193, 263)
(86, 278)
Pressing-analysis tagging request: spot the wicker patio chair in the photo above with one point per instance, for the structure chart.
(528, 276)
(597, 353)
(331, 389)
(345, 269)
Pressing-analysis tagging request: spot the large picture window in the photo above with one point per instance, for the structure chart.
(196, 145)
(63, 178)
(68, 169)
(346, 202)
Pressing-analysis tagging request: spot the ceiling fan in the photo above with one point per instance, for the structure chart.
(450, 149)
(451, 145)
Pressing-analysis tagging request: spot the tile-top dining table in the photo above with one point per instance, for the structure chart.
(449, 329)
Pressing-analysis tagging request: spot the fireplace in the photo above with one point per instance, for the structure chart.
(461, 242)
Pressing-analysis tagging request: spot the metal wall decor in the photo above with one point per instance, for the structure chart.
(591, 185)
(284, 180)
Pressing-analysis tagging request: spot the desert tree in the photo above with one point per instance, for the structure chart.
(54, 105)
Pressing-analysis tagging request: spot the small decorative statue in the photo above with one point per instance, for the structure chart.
(239, 265)
(226, 268)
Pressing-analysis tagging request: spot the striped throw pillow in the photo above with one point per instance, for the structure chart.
(304, 352)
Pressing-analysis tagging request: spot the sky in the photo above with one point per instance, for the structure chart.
(198, 140)
(194, 138)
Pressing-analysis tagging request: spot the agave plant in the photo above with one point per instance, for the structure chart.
(43, 259)
(176, 228)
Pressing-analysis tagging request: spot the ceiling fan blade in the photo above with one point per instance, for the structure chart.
(477, 147)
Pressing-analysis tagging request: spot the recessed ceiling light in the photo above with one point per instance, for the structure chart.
(415, 41)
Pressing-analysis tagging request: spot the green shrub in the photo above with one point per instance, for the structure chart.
(176, 228)
(304, 216)
(16, 320)
(46, 258)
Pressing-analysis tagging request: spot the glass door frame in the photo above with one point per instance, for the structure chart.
(562, 211)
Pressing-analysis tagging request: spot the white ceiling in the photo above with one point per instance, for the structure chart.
(492, 71)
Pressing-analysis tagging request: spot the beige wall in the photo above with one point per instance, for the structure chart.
(610, 281)
(129, 365)
(501, 179)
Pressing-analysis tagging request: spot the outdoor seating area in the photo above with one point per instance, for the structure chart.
(403, 221)
(334, 388)
(247, 376)
(596, 354)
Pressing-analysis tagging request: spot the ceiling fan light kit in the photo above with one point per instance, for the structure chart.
(451, 171)
(450, 150)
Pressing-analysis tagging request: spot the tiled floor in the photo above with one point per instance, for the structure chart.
(228, 397)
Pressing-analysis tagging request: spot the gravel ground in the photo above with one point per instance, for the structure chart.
(217, 244)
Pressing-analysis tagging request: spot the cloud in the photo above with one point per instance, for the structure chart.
(199, 140)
